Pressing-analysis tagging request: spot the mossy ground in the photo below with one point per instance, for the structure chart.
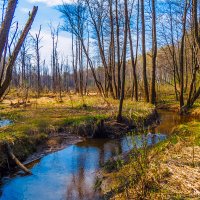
(47, 114)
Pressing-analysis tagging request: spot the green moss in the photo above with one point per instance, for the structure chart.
(77, 120)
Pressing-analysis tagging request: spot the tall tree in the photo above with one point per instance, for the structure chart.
(37, 47)
(181, 56)
(69, 13)
(118, 50)
(134, 59)
(154, 53)
(126, 21)
(4, 34)
(146, 89)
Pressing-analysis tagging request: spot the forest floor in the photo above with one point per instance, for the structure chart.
(170, 170)
(46, 124)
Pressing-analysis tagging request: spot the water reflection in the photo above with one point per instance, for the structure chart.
(5, 122)
(70, 173)
(168, 120)
(67, 174)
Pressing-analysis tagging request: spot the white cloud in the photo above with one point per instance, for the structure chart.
(51, 2)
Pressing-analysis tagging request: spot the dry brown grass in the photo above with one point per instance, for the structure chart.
(173, 173)
(184, 171)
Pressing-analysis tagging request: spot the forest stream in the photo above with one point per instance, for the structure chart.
(70, 173)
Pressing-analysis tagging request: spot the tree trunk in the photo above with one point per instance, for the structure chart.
(146, 89)
(6, 24)
(9, 66)
(118, 52)
(135, 83)
(119, 117)
(181, 57)
(154, 54)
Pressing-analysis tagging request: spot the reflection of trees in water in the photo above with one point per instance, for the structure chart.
(109, 150)
(153, 136)
(106, 148)
(82, 180)
(78, 188)
(170, 120)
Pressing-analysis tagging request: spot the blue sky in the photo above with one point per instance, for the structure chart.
(46, 14)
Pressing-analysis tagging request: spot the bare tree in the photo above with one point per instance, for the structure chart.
(119, 117)
(154, 53)
(7, 68)
(54, 57)
(36, 41)
(146, 89)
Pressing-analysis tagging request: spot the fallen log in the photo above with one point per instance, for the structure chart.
(14, 158)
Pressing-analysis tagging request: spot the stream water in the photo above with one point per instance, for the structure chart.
(5, 122)
(69, 174)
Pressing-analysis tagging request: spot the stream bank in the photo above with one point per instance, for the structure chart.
(30, 143)
(71, 172)
(172, 170)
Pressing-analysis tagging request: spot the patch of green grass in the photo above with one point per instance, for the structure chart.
(189, 132)
(77, 120)
(49, 114)
(32, 125)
